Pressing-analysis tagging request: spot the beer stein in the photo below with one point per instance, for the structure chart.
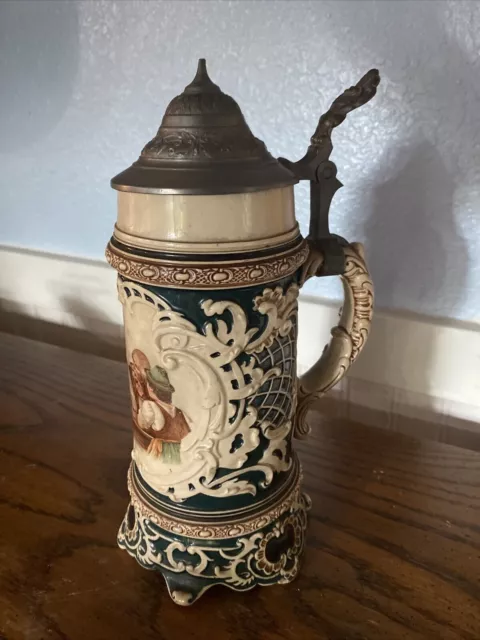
(210, 263)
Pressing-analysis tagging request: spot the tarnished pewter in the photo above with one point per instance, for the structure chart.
(203, 146)
(316, 167)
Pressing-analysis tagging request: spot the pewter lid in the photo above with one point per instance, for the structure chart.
(203, 146)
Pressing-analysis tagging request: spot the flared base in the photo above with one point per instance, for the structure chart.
(264, 550)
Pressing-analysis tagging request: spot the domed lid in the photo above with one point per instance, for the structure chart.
(203, 146)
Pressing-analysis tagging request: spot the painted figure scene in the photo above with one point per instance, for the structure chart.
(159, 426)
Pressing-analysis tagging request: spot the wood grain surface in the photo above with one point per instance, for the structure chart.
(393, 549)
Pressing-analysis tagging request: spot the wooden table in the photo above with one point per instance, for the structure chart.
(393, 550)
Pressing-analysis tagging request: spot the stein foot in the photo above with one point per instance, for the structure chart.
(183, 598)
(307, 500)
(265, 555)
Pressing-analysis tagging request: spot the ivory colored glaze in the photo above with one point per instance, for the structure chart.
(241, 221)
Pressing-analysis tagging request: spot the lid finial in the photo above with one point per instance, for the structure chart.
(202, 82)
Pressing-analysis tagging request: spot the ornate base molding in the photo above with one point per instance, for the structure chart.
(265, 556)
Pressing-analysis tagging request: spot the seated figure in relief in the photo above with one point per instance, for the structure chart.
(159, 426)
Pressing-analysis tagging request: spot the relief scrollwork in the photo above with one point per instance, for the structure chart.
(193, 397)
(280, 308)
(191, 145)
(265, 556)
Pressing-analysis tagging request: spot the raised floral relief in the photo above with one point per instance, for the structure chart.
(159, 426)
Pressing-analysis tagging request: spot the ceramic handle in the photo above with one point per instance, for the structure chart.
(348, 337)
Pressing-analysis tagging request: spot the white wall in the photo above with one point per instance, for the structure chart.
(84, 86)
(410, 367)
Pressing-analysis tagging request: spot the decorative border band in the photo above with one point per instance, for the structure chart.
(207, 275)
(209, 531)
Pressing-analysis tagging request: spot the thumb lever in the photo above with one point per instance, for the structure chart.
(316, 167)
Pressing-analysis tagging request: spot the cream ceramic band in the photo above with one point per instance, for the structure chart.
(220, 222)
(232, 246)
(207, 275)
(204, 530)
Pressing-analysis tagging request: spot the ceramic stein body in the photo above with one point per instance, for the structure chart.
(209, 284)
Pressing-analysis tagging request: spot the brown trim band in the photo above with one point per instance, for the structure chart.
(207, 275)
(208, 530)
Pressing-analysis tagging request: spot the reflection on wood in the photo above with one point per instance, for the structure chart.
(392, 552)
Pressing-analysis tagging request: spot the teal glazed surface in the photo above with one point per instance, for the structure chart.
(274, 394)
